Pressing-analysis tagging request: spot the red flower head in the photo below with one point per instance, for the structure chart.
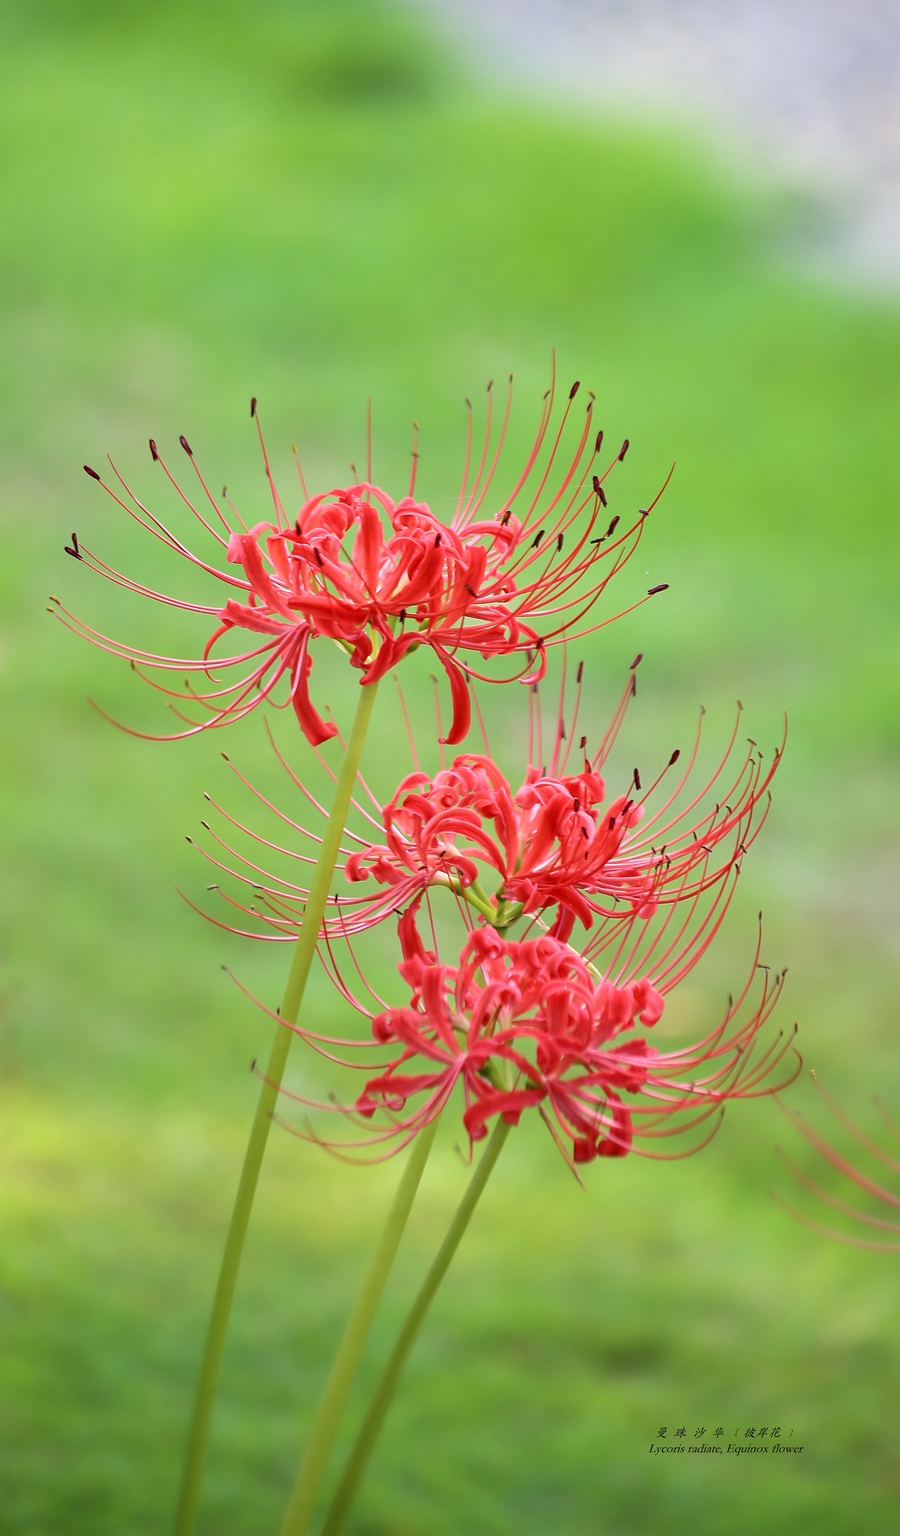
(383, 577)
(531, 1023)
(556, 845)
(536, 1027)
(557, 841)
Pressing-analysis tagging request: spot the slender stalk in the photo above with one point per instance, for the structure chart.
(371, 1426)
(337, 1388)
(304, 951)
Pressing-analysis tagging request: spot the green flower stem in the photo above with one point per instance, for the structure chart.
(475, 897)
(334, 1398)
(320, 887)
(368, 1434)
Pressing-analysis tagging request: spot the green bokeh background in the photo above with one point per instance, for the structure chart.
(313, 203)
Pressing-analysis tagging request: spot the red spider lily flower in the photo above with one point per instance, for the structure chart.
(543, 840)
(383, 577)
(554, 843)
(531, 1023)
(873, 1187)
(536, 993)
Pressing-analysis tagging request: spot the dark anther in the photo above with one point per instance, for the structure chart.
(92, 472)
(437, 539)
(611, 824)
(205, 825)
(574, 390)
(154, 451)
(624, 449)
(72, 549)
(663, 587)
(471, 591)
(582, 745)
(185, 445)
(576, 803)
(637, 780)
(402, 615)
(559, 543)
(537, 538)
(637, 661)
(253, 406)
(612, 527)
(674, 758)
(599, 443)
(319, 560)
(253, 1065)
(506, 517)
(580, 673)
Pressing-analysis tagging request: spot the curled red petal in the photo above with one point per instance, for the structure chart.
(459, 695)
(315, 729)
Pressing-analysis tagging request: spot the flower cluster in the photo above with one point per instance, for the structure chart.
(530, 1012)
(533, 1023)
(536, 1019)
(383, 577)
(578, 910)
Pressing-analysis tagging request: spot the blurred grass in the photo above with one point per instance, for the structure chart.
(309, 202)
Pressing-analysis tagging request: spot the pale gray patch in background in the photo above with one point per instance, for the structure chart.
(807, 92)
